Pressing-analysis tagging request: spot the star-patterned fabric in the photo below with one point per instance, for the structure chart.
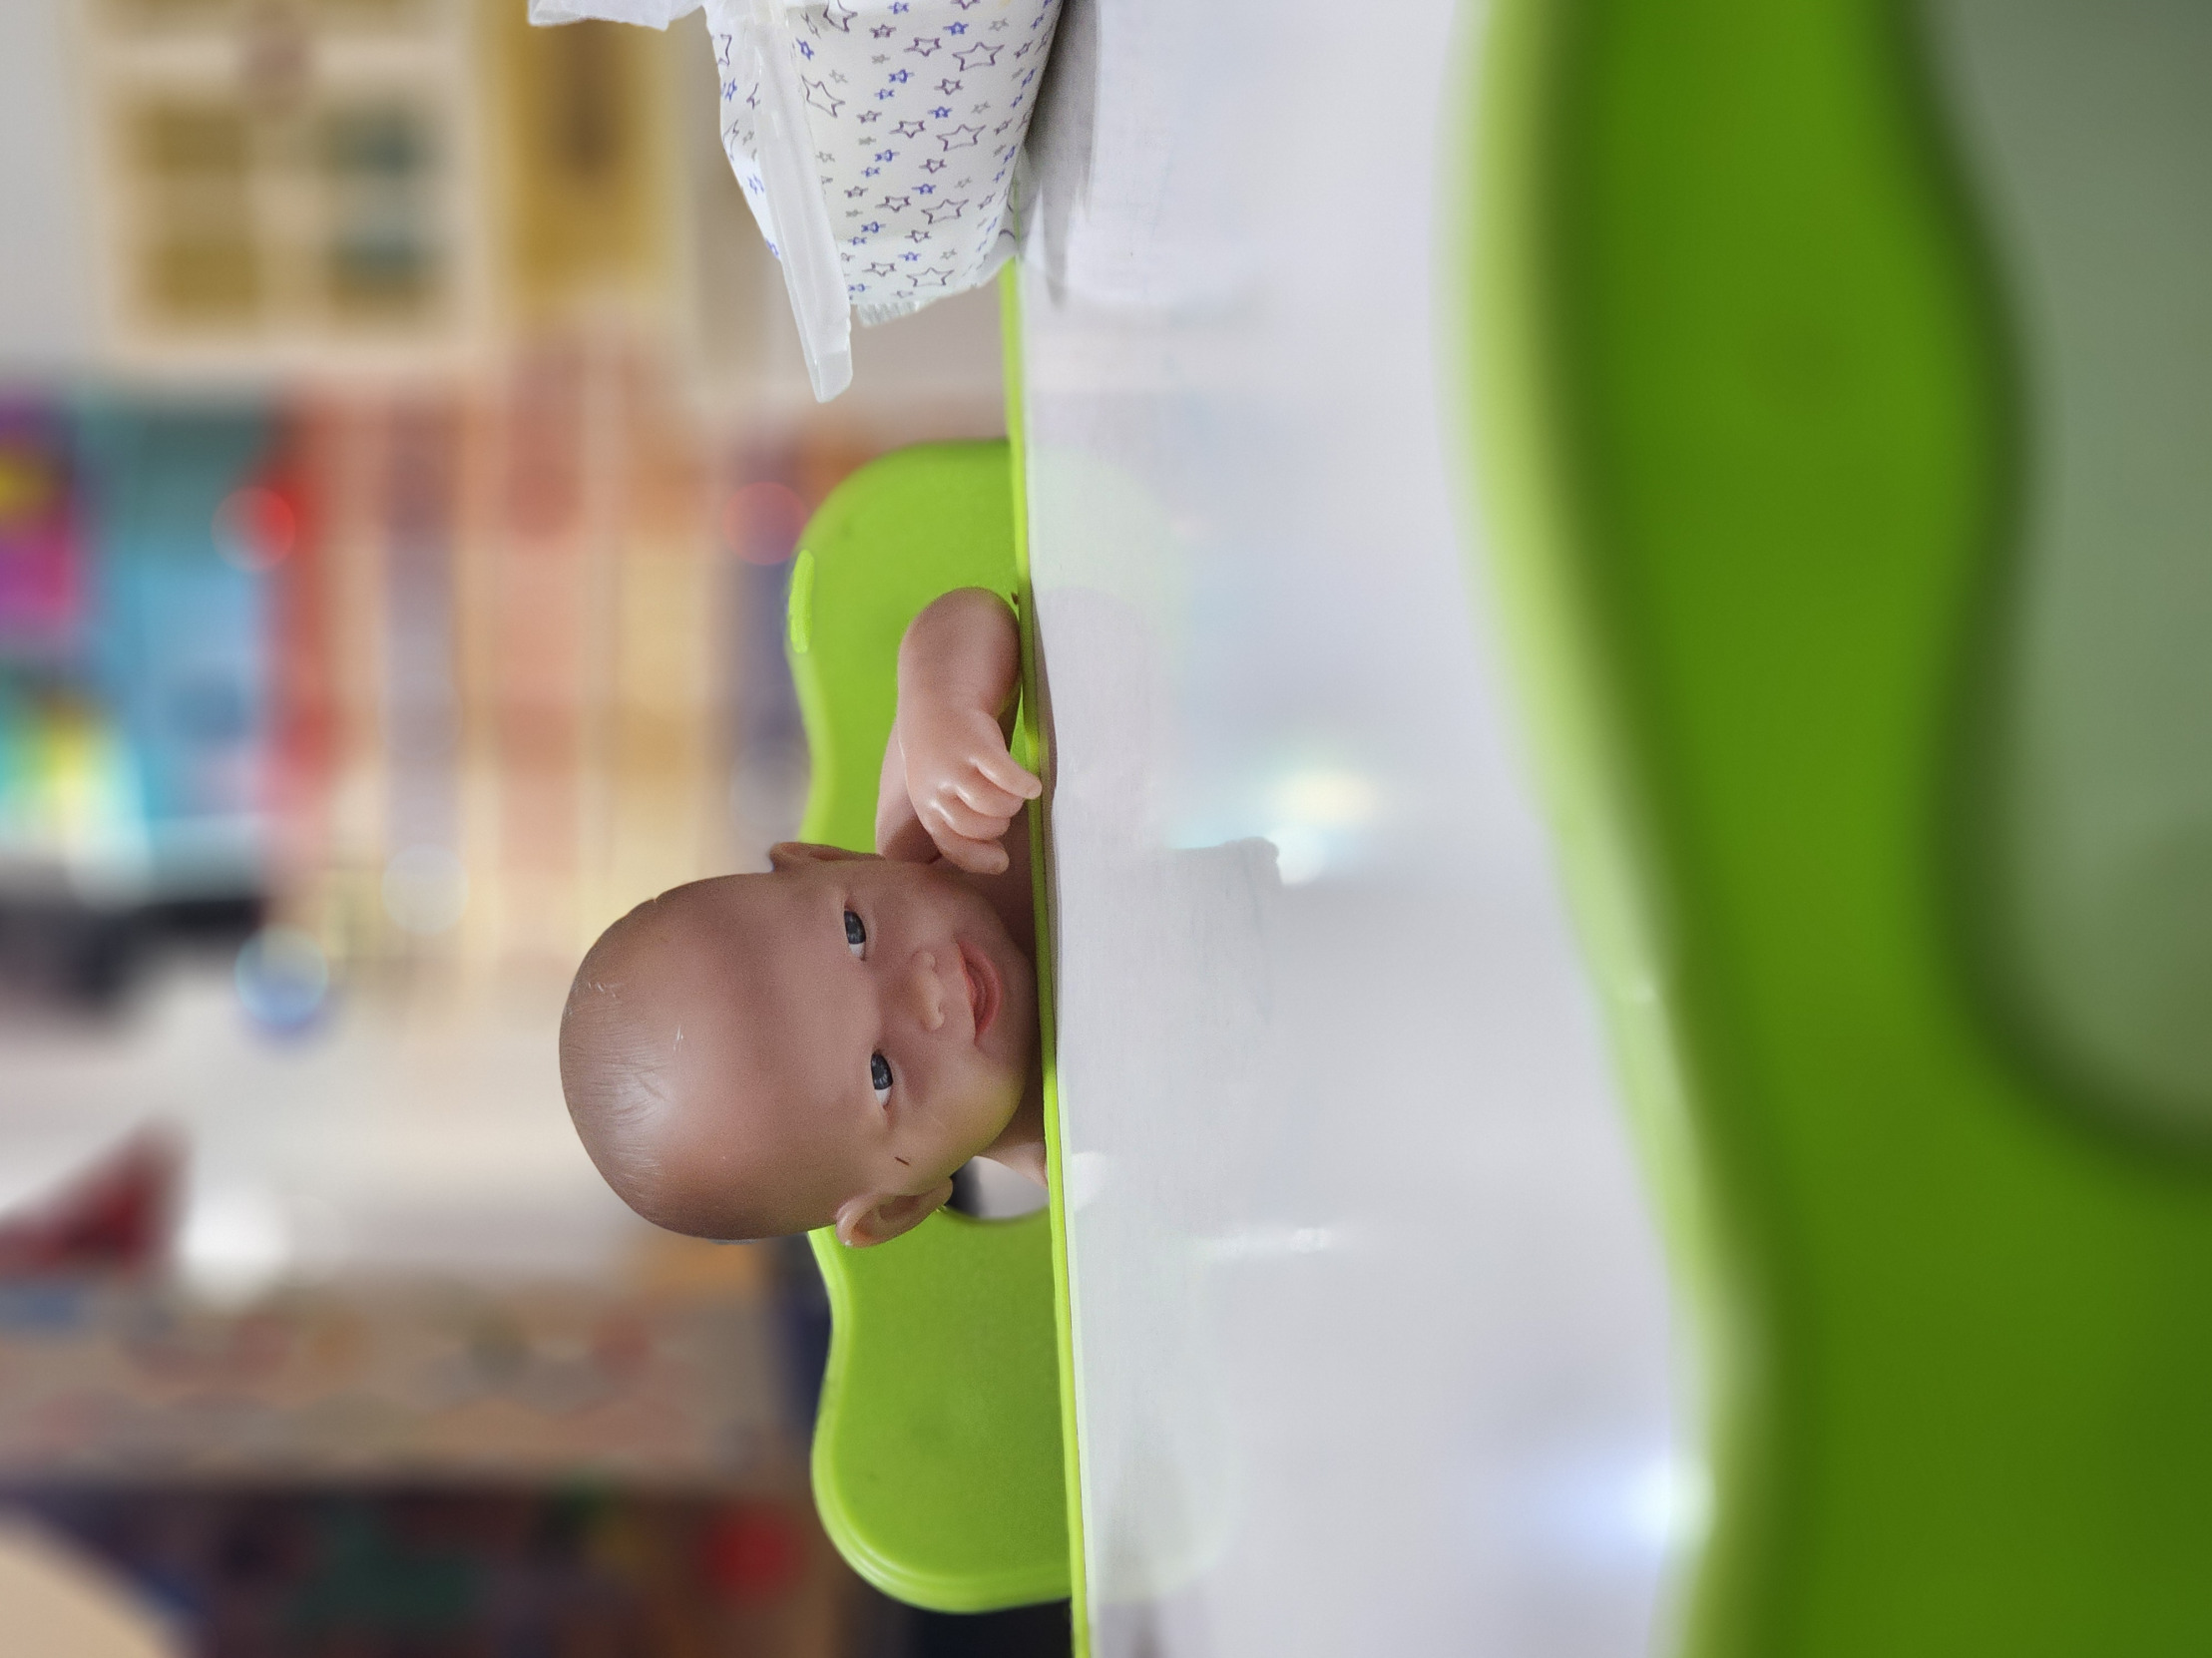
(917, 110)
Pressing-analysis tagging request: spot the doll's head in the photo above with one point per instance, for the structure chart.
(758, 1055)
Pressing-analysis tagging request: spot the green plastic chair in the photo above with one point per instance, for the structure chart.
(1750, 434)
(938, 1452)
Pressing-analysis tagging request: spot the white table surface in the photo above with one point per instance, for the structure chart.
(1372, 1336)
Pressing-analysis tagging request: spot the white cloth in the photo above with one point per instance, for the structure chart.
(917, 110)
(654, 14)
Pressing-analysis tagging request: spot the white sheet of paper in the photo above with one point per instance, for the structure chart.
(1372, 1336)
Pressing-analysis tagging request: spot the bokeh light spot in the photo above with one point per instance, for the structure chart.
(282, 979)
(234, 1244)
(1301, 853)
(1327, 798)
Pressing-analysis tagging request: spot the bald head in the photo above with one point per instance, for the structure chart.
(614, 1056)
(758, 1055)
(670, 1064)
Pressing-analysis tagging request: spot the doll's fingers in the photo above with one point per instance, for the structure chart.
(974, 856)
(947, 811)
(997, 766)
(987, 797)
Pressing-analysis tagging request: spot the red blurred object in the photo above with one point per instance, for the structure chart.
(755, 1552)
(303, 690)
(256, 527)
(117, 1216)
(762, 522)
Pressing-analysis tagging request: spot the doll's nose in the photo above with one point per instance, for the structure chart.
(926, 992)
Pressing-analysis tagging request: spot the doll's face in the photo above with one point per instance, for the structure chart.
(841, 1027)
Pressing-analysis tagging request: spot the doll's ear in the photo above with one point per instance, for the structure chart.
(792, 854)
(878, 1217)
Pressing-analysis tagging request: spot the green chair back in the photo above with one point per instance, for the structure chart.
(937, 1452)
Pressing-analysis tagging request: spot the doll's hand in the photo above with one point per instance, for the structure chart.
(963, 784)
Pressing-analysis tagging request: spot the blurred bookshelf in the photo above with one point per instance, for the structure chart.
(391, 580)
(404, 440)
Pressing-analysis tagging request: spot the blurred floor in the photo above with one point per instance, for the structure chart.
(426, 1573)
(430, 1573)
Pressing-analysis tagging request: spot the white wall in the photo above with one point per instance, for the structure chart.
(46, 309)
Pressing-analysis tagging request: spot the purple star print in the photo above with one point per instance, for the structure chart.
(872, 153)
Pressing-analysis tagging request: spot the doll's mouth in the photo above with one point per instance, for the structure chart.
(984, 995)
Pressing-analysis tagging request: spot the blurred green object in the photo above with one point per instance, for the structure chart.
(1751, 435)
(937, 1454)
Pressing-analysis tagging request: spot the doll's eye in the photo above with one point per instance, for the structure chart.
(856, 935)
(879, 1073)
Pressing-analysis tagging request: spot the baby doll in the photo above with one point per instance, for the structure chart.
(757, 1054)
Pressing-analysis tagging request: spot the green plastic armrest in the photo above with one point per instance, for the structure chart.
(1752, 470)
(936, 1452)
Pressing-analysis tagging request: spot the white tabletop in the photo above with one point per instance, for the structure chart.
(1372, 1337)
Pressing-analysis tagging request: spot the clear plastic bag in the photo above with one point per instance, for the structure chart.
(784, 185)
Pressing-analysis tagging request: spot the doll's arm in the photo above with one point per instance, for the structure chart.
(949, 785)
